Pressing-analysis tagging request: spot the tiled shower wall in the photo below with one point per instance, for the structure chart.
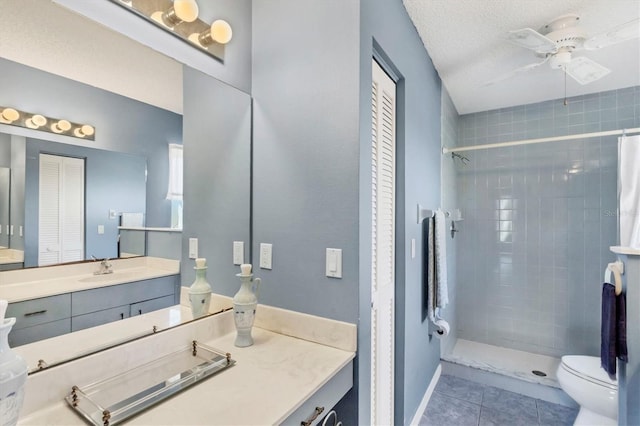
(538, 221)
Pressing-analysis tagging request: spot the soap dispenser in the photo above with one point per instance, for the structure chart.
(13, 373)
(244, 306)
(200, 290)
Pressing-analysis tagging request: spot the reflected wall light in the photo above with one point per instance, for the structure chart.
(14, 117)
(180, 18)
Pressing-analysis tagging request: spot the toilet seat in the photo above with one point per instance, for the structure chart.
(588, 368)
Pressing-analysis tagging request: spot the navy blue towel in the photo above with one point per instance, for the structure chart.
(613, 343)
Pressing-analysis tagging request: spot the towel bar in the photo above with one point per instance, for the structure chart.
(617, 268)
(425, 213)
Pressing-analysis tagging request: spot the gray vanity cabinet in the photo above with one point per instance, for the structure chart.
(39, 319)
(46, 317)
(98, 306)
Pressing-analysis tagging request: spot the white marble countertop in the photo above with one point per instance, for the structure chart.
(27, 284)
(625, 250)
(270, 380)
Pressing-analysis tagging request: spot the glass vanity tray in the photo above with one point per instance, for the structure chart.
(111, 401)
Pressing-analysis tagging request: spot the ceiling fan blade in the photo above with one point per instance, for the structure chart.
(531, 39)
(516, 72)
(619, 34)
(584, 70)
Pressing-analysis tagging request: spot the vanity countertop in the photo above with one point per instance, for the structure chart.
(10, 256)
(27, 284)
(270, 380)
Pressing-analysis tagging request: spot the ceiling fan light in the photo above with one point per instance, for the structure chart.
(531, 39)
(584, 70)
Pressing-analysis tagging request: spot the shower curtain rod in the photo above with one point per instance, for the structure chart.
(542, 140)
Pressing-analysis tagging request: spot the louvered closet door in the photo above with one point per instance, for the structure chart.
(383, 161)
(61, 210)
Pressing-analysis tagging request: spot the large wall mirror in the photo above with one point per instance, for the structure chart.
(114, 87)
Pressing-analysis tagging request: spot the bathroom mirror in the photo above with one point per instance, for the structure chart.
(5, 174)
(122, 130)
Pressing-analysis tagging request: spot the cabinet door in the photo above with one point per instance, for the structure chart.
(93, 319)
(152, 305)
(22, 336)
(40, 311)
(98, 299)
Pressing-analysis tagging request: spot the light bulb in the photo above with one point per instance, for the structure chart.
(220, 32)
(61, 126)
(181, 11)
(9, 115)
(186, 10)
(83, 131)
(36, 121)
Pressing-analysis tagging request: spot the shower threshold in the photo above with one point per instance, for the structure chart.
(507, 362)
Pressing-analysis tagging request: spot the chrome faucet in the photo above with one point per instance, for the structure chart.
(104, 268)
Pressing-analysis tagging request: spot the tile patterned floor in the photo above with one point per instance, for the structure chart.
(459, 402)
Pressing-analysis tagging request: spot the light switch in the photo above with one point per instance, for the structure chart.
(100, 229)
(413, 248)
(193, 248)
(265, 256)
(238, 252)
(334, 263)
(21, 230)
(11, 230)
(112, 214)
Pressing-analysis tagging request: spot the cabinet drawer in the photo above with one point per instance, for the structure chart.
(40, 311)
(93, 319)
(326, 398)
(26, 335)
(152, 305)
(99, 299)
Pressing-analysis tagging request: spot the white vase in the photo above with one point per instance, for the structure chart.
(244, 306)
(200, 291)
(13, 376)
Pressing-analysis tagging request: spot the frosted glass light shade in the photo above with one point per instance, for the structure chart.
(186, 10)
(10, 115)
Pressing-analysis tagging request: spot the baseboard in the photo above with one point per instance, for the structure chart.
(427, 395)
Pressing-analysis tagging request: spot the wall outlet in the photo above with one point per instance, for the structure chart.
(193, 248)
(100, 229)
(265, 256)
(112, 214)
(238, 252)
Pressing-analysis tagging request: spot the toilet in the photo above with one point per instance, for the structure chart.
(582, 378)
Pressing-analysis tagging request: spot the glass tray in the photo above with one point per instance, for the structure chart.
(111, 401)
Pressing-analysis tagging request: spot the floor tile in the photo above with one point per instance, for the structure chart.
(501, 417)
(555, 415)
(510, 403)
(460, 388)
(446, 411)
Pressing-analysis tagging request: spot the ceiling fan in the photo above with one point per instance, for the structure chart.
(557, 41)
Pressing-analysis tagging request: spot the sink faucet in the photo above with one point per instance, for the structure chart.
(104, 268)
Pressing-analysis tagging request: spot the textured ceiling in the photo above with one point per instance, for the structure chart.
(465, 41)
(43, 35)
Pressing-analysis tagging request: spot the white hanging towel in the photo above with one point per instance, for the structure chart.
(629, 184)
(442, 292)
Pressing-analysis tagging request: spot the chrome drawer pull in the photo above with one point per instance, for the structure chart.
(315, 415)
(35, 313)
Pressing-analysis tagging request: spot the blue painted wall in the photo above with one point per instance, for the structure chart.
(386, 25)
(113, 180)
(306, 153)
(122, 124)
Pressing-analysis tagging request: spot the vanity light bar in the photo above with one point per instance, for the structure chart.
(15, 117)
(180, 18)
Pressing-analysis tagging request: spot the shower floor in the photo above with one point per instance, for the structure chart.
(504, 361)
